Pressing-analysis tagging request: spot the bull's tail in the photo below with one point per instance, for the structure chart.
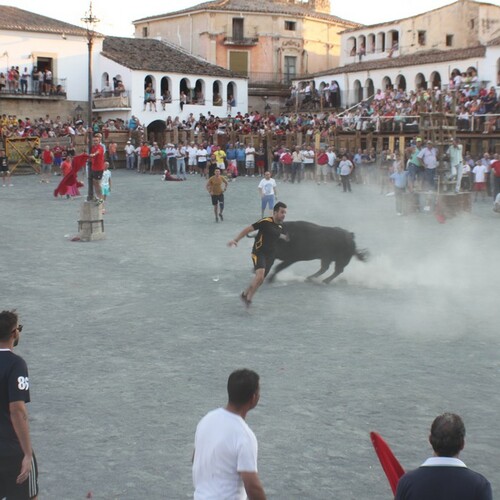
(363, 255)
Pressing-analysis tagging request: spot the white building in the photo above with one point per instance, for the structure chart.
(418, 52)
(169, 71)
(29, 40)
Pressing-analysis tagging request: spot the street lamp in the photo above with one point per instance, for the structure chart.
(90, 22)
(91, 223)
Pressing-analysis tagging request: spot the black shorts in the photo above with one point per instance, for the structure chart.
(262, 261)
(97, 175)
(217, 198)
(9, 470)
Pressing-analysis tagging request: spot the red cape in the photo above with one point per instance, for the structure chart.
(389, 462)
(71, 178)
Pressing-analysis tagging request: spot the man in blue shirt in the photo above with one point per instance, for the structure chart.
(444, 476)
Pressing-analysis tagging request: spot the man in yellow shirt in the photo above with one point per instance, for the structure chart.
(220, 155)
(216, 185)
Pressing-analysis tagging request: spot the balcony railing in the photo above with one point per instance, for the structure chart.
(109, 100)
(241, 41)
(57, 90)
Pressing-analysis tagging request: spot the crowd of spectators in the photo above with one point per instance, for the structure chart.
(36, 82)
(396, 110)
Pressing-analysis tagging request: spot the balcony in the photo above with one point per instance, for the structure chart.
(56, 91)
(240, 41)
(111, 100)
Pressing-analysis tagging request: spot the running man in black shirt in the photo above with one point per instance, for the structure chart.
(264, 248)
(17, 462)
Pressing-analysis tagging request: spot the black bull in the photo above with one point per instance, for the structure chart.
(308, 241)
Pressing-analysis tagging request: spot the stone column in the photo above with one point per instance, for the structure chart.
(91, 224)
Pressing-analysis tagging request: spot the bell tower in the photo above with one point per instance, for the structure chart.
(320, 5)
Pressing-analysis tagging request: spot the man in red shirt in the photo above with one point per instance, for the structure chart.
(97, 167)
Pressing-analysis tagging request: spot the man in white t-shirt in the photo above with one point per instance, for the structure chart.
(250, 160)
(192, 151)
(225, 448)
(267, 190)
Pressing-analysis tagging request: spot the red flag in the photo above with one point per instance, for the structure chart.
(389, 462)
(71, 178)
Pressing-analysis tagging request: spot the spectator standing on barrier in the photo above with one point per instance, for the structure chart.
(18, 474)
(444, 476)
(225, 448)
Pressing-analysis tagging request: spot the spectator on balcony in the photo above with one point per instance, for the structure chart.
(3, 81)
(217, 99)
(24, 81)
(47, 81)
(200, 97)
(11, 79)
(119, 88)
(182, 99)
(149, 97)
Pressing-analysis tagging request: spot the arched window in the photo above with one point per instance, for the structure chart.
(393, 40)
(149, 90)
(435, 80)
(166, 89)
(351, 46)
(217, 93)
(232, 94)
(358, 91)
(420, 82)
(185, 90)
(380, 42)
(401, 83)
(105, 82)
(386, 83)
(370, 49)
(369, 88)
(361, 45)
(199, 92)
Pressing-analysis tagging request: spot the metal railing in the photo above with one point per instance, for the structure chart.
(56, 89)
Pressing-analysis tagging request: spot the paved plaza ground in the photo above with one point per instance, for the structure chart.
(130, 340)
